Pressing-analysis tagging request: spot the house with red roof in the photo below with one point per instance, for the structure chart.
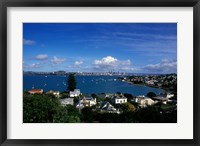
(35, 91)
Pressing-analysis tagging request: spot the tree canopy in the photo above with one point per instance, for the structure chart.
(151, 94)
(71, 82)
(128, 107)
(40, 108)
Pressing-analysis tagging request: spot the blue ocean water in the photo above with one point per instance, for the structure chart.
(87, 84)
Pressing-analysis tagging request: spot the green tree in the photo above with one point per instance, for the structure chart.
(151, 94)
(128, 107)
(67, 114)
(87, 114)
(40, 108)
(128, 96)
(71, 82)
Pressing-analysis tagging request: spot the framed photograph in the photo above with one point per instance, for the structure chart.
(99, 72)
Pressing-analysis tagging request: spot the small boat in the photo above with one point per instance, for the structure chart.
(64, 83)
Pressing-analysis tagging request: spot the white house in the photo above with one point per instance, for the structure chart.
(144, 101)
(86, 102)
(67, 101)
(119, 99)
(108, 108)
(169, 95)
(89, 101)
(75, 93)
(56, 93)
(79, 105)
(149, 101)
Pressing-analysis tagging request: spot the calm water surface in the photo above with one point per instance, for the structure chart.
(87, 84)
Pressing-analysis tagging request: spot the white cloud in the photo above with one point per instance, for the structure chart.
(111, 63)
(57, 60)
(31, 66)
(106, 61)
(28, 42)
(41, 57)
(77, 63)
(165, 66)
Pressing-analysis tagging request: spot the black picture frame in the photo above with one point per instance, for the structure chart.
(4, 4)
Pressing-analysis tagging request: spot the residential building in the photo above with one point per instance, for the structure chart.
(119, 99)
(56, 93)
(75, 93)
(35, 91)
(106, 107)
(67, 101)
(89, 101)
(86, 102)
(144, 101)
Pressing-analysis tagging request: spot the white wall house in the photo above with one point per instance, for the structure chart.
(56, 93)
(89, 101)
(108, 108)
(119, 99)
(86, 102)
(67, 101)
(75, 93)
(144, 101)
(149, 101)
(170, 95)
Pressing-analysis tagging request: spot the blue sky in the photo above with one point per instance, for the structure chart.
(100, 47)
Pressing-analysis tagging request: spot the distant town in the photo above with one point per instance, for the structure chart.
(110, 73)
(73, 106)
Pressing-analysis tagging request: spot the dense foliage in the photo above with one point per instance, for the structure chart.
(41, 108)
(45, 108)
(151, 94)
(71, 82)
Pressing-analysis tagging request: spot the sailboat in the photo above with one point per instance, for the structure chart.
(64, 83)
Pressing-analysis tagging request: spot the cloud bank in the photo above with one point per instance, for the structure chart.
(109, 63)
(41, 57)
(165, 66)
(28, 42)
(56, 60)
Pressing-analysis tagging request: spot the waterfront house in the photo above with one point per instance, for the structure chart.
(144, 101)
(75, 93)
(89, 101)
(67, 101)
(119, 99)
(35, 91)
(161, 99)
(148, 101)
(169, 95)
(79, 105)
(166, 95)
(86, 102)
(106, 107)
(138, 98)
(55, 93)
